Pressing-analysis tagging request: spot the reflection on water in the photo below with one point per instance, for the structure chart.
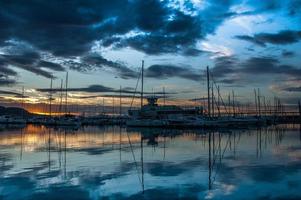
(118, 163)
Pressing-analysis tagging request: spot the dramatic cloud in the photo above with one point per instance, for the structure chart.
(50, 65)
(121, 96)
(294, 7)
(112, 96)
(280, 38)
(292, 89)
(250, 39)
(100, 62)
(99, 89)
(10, 93)
(5, 71)
(29, 61)
(90, 89)
(288, 53)
(49, 37)
(71, 28)
(230, 70)
(6, 81)
(168, 71)
(224, 66)
(5, 75)
(268, 65)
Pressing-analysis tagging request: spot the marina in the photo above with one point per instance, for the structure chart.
(216, 113)
(150, 100)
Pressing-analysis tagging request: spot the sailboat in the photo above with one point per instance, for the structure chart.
(65, 120)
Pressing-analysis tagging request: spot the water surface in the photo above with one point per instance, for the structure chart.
(119, 163)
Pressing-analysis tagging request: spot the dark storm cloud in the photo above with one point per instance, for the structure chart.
(66, 29)
(29, 61)
(288, 53)
(57, 26)
(168, 71)
(10, 93)
(70, 28)
(6, 74)
(124, 96)
(229, 81)
(174, 31)
(5, 71)
(193, 52)
(199, 99)
(292, 89)
(290, 8)
(78, 66)
(255, 65)
(268, 65)
(92, 62)
(100, 89)
(90, 89)
(51, 65)
(121, 69)
(230, 70)
(250, 39)
(281, 38)
(294, 7)
(112, 96)
(37, 71)
(224, 65)
(266, 6)
(7, 81)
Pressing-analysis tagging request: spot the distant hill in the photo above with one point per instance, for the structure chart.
(13, 111)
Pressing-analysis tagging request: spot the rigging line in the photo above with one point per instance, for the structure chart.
(219, 94)
(221, 98)
(218, 167)
(134, 157)
(135, 90)
(238, 140)
(215, 155)
(56, 141)
(214, 99)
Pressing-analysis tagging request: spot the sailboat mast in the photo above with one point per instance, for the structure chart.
(50, 97)
(299, 105)
(229, 103)
(212, 99)
(265, 106)
(61, 97)
(23, 97)
(233, 103)
(113, 105)
(142, 82)
(259, 109)
(66, 95)
(208, 92)
(120, 108)
(164, 96)
(103, 105)
(255, 101)
(218, 101)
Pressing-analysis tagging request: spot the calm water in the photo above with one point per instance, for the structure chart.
(119, 163)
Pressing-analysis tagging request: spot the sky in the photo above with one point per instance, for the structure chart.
(247, 44)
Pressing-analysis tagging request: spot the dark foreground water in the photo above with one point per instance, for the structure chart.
(120, 163)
